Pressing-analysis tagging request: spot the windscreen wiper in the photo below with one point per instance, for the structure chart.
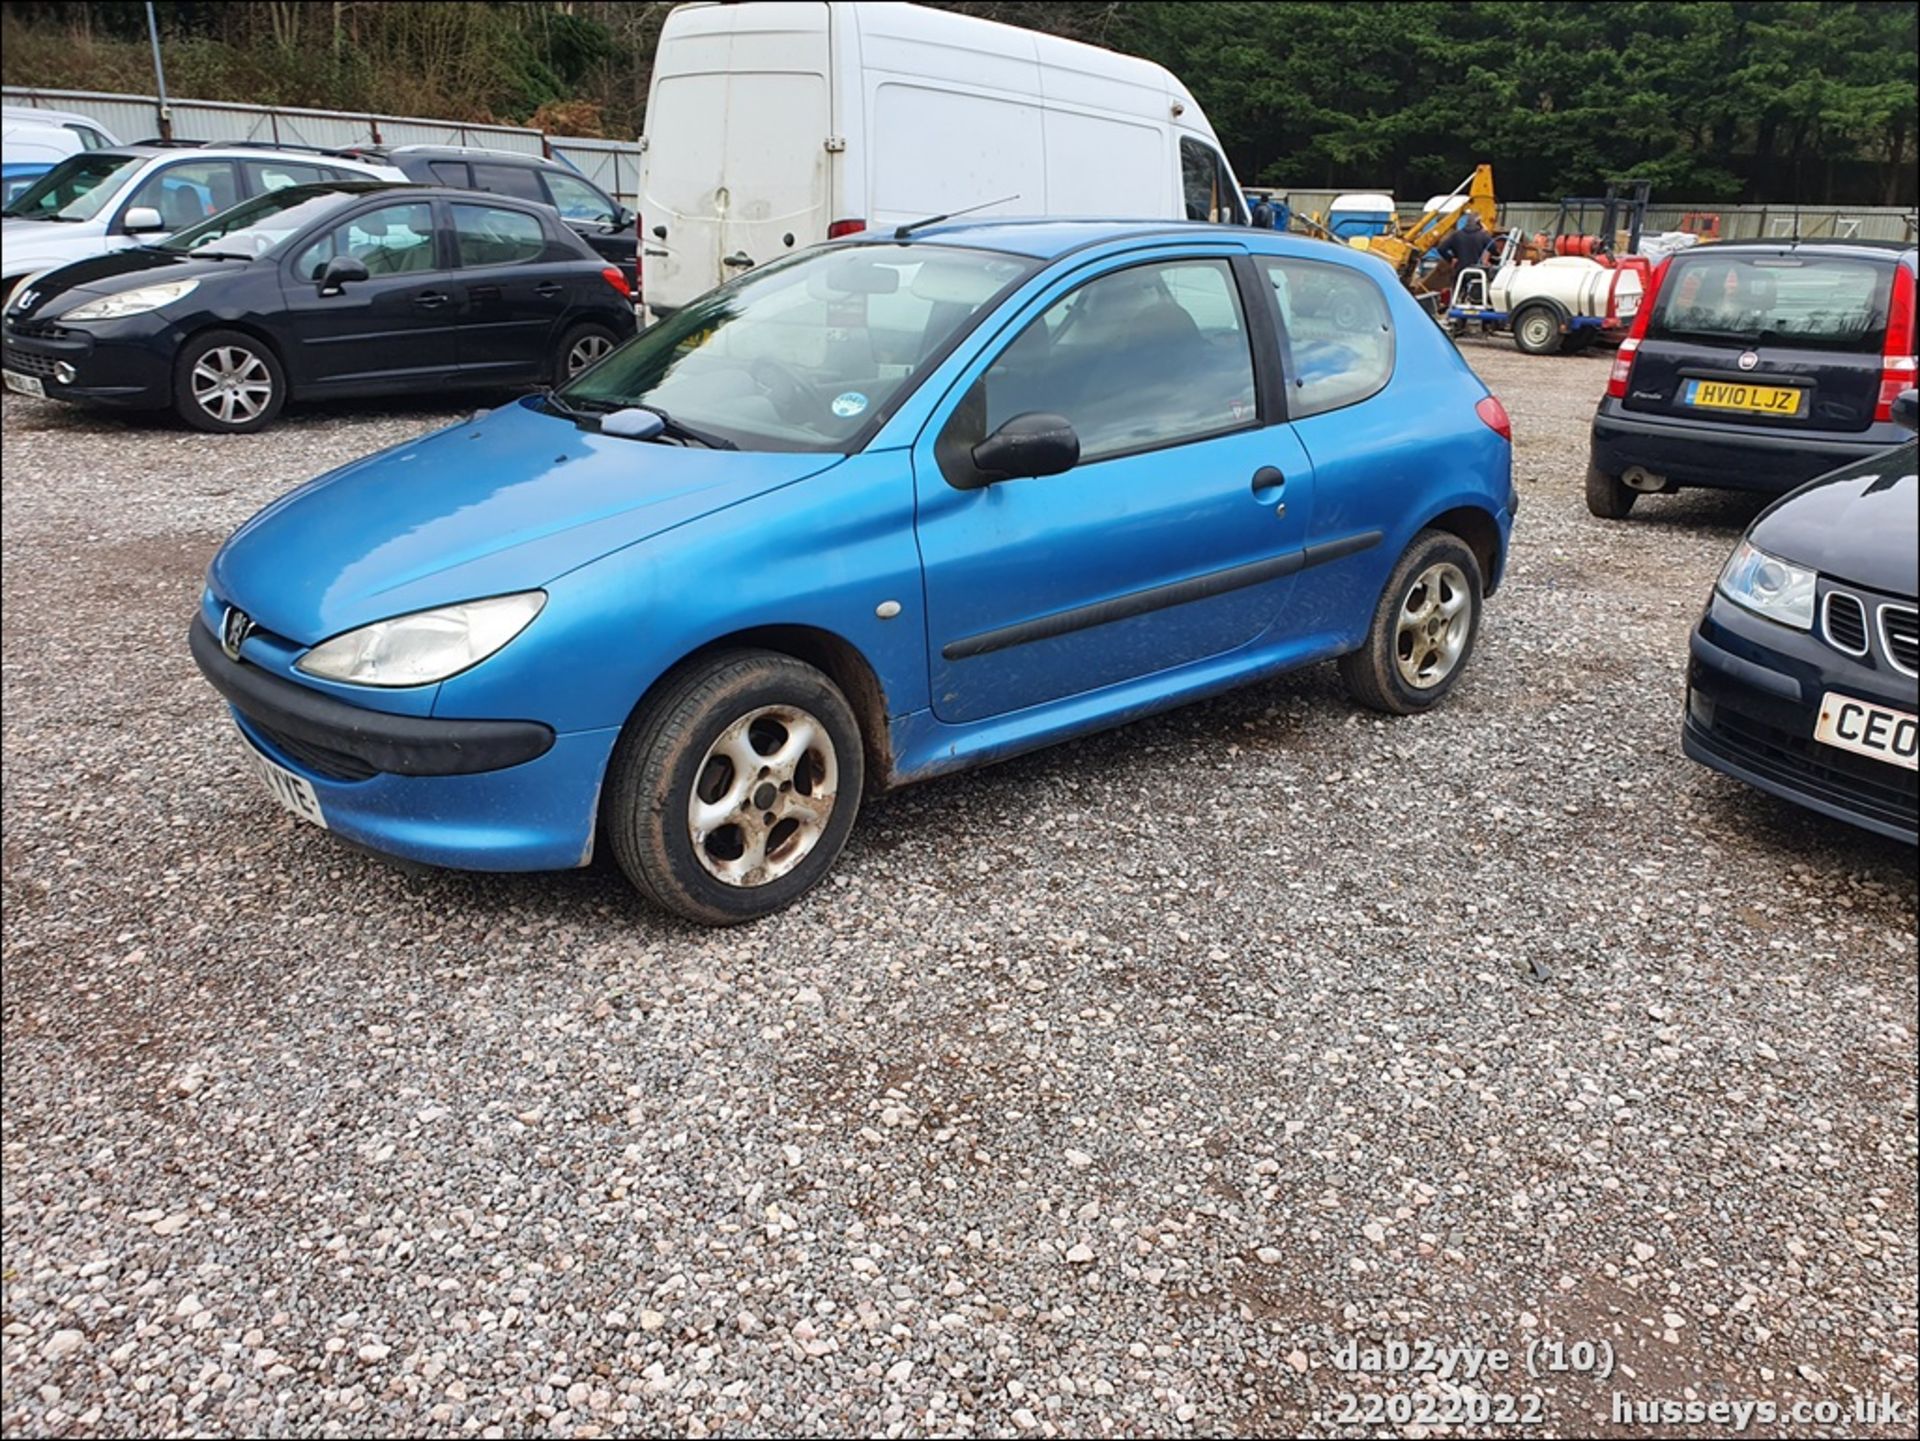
(682, 432)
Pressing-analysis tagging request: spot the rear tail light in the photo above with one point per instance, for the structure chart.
(615, 277)
(1896, 355)
(1623, 358)
(1494, 414)
(845, 227)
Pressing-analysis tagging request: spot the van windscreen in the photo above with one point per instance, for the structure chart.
(1813, 302)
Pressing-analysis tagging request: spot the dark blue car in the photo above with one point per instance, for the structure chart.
(886, 509)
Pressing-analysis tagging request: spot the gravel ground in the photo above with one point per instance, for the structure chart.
(1109, 1091)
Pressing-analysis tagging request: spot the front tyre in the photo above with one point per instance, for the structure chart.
(733, 789)
(1423, 628)
(227, 382)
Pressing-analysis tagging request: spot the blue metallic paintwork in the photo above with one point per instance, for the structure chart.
(650, 552)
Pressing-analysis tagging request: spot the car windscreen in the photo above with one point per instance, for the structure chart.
(804, 354)
(75, 189)
(1814, 302)
(260, 225)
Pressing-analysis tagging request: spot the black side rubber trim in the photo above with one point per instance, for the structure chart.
(1760, 677)
(399, 745)
(1159, 597)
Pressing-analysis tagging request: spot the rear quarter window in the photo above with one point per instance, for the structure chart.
(1817, 302)
(1337, 332)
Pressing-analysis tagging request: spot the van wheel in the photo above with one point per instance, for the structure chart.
(1423, 628)
(228, 383)
(733, 789)
(1536, 330)
(582, 346)
(1608, 496)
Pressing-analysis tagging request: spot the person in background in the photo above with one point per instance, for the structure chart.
(1263, 214)
(1468, 243)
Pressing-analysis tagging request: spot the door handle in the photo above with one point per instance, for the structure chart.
(739, 260)
(547, 289)
(430, 299)
(1267, 478)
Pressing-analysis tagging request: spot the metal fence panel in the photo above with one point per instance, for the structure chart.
(126, 117)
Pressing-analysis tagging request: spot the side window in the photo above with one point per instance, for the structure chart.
(520, 181)
(451, 172)
(187, 193)
(90, 139)
(1140, 358)
(494, 235)
(1204, 182)
(1339, 334)
(392, 240)
(577, 200)
(268, 175)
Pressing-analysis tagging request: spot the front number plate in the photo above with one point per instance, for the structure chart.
(1782, 400)
(294, 793)
(1869, 730)
(25, 384)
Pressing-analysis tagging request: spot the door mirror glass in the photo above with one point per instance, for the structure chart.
(143, 220)
(1033, 444)
(339, 271)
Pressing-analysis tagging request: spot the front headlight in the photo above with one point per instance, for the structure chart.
(132, 302)
(424, 647)
(1769, 586)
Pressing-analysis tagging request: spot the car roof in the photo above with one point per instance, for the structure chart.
(461, 152)
(1046, 238)
(1892, 249)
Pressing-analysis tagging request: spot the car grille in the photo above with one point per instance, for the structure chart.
(28, 364)
(1898, 635)
(1846, 622)
(1798, 763)
(334, 765)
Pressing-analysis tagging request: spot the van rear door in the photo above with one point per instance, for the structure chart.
(736, 162)
(1786, 338)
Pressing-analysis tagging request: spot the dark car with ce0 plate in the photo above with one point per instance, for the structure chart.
(1802, 679)
(315, 291)
(1755, 366)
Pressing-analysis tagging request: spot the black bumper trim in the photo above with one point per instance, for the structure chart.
(1745, 671)
(396, 744)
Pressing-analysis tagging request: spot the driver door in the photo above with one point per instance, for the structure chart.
(1174, 538)
(399, 325)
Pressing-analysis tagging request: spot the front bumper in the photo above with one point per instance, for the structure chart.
(1753, 699)
(127, 362)
(1726, 455)
(472, 795)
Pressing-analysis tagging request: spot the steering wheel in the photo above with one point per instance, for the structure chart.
(792, 397)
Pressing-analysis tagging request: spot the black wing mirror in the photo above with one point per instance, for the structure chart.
(1906, 409)
(340, 270)
(1033, 444)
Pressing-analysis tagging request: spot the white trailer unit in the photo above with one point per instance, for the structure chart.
(775, 125)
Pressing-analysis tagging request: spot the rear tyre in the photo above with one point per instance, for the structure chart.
(1423, 628)
(1608, 496)
(228, 383)
(733, 789)
(580, 347)
(1536, 330)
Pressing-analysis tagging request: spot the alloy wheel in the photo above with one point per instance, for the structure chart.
(232, 384)
(1436, 620)
(585, 351)
(763, 795)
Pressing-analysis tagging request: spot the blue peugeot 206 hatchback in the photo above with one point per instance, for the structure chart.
(888, 508)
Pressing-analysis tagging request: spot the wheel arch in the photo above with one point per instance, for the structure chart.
(1477, 527)
(834, 655)
(244, 326)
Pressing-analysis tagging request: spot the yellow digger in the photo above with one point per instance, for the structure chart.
(1405, 245)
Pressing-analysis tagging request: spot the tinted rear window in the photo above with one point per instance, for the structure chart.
(1825, 303)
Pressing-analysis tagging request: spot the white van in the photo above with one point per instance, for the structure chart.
(33, 141)
(775, 125)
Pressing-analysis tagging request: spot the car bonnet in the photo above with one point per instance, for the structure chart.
(505, 502)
